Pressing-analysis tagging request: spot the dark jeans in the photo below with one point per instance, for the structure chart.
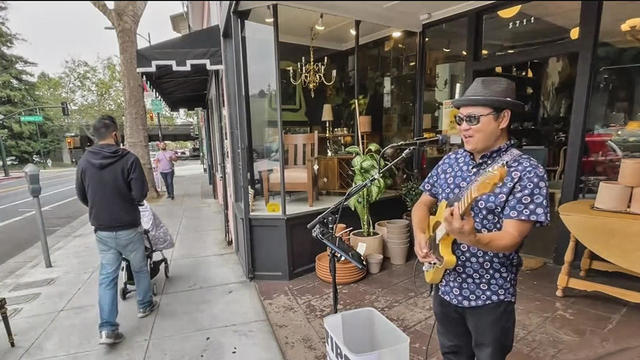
(482, 332)
(167, 177)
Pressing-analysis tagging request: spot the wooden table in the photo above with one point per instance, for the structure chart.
(613, 236)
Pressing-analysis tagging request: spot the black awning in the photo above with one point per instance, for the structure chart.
(179, 69)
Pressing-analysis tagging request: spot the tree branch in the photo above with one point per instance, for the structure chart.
(104, 9)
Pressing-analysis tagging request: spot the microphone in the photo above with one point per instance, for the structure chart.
(441, 139)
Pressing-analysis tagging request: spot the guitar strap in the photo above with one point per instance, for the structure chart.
(505, 158)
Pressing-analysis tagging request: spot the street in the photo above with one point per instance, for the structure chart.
(18, 227)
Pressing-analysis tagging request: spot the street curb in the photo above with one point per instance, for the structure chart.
(32, 256)
(11, 177)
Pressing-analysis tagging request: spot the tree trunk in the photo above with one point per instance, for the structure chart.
(135, 120)
(125, 17)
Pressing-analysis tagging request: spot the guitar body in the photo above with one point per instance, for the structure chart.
(440, 242)
(443, 250)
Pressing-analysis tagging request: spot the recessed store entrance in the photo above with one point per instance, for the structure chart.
(545, 86)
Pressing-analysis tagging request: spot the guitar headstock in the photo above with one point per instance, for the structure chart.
(487, 182)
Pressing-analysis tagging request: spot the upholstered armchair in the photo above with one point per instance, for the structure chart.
(300, 152)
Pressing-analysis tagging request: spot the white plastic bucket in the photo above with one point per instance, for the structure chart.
(364, 334)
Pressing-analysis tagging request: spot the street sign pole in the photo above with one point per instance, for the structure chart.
(39, 141)
(159, 128)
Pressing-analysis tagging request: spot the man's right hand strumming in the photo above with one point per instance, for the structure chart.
(422, 250)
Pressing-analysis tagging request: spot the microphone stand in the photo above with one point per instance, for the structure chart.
(322, 228)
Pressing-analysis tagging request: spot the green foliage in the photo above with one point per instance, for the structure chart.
(362, 104)
(411, 193)
(366, 165)
(16, 92)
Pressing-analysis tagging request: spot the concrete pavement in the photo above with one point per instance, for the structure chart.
(208, 310)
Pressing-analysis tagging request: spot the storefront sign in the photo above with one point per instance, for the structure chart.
(447, 120)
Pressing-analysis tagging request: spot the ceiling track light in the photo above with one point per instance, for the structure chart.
(320, 24)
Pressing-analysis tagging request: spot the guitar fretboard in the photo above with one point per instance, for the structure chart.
(466, 200)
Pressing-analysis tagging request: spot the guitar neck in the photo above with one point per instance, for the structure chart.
(465, 203)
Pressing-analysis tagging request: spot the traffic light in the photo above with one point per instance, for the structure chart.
(69, 143)
(65, 108)
(151, 116)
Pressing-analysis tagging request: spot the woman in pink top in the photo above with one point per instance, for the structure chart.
(164, 162)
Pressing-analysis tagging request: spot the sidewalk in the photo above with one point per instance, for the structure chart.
(208, 310)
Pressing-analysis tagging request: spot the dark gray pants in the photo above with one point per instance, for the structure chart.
(482, 332)
(168, 182)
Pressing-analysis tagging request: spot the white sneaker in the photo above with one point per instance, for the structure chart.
(110, 337)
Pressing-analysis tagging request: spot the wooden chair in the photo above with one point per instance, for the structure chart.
(300, 152)
(555, 184)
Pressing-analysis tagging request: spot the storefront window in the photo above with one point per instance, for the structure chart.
(445, 48)
(445, 52)
(317, 120)
(262, 112)
(613, 124)
(387, 77)
(530, 25)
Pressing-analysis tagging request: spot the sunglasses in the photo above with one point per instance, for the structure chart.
(471, 119)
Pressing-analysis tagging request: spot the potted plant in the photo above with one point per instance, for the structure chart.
(365, 165)
(364, 121)
(410, 194)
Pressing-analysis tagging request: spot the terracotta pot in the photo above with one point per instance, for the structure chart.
(396, 240)
(394, 232)
(635, 201)
(397, 224)
(398, 254)
(612, 196)
(381, 228)
(346, 272)
(374, 243)
(365, 123)
(374, 263)
(630, 172)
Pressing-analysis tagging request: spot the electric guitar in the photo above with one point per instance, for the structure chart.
(440, 242)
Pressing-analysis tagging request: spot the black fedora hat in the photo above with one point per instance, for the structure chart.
(493, 92)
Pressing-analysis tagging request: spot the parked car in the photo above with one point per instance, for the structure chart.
(183, 154)
(12, 160)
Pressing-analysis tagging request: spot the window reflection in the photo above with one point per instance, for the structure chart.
(613, 125)
(530, 25)
(262, 114)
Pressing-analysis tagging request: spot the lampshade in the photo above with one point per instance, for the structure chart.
(327, 113)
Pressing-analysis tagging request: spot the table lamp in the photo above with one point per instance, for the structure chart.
(327, 116)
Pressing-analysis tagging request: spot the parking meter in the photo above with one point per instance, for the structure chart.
(32, 176)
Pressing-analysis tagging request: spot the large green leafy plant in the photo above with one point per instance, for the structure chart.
(411, 193)
(365, 165)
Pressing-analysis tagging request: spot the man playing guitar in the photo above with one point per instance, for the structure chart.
(474, 305)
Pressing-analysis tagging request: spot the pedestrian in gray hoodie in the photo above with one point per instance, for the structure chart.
(111, 182)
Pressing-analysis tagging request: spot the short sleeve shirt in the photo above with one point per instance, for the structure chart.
(164, 161)
(483, 277)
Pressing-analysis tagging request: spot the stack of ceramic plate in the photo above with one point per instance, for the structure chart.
(397, 240)
(346, 272)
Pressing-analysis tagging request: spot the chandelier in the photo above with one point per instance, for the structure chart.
(311, 74)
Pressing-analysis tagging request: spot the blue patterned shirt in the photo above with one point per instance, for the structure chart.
(483, 277)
